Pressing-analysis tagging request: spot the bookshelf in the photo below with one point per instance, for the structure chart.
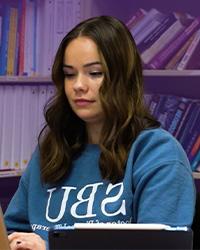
(20, 80)
(181, 83)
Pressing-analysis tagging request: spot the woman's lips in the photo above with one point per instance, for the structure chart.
(83, 102)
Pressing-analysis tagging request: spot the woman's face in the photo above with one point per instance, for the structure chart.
(83, 72)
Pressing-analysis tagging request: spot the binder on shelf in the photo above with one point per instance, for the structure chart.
(42, 98)
(26, 150)
(17, 124)
(7, 128)
(34, 96)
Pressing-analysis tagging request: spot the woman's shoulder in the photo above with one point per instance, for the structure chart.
(158, 144)
(157, 136)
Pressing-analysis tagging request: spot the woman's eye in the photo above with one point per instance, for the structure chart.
(96, 73)
(69, 75)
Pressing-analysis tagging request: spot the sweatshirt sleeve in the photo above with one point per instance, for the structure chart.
(163, 183)
(166, 195)
(16, 215)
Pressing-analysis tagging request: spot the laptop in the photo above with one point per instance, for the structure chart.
(4, 243)
(120, 237)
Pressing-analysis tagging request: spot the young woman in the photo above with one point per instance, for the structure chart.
(101, 156)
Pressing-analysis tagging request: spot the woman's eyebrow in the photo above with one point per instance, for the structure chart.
(85, 65)
(67, 66)
(92, 63)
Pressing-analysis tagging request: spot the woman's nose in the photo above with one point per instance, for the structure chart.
(80, 83)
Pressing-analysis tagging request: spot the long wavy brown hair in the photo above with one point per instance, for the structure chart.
(64, 136)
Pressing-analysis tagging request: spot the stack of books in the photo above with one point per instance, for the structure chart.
(30, 33)
(181, 117)
(166, 40)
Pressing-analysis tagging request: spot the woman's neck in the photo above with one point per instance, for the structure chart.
(94, 133)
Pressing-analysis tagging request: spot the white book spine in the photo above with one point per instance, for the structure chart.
(42, 97)
(72, 13)
(48, 36)
(164, 39)
(145, 21)
(29, 38)
(59, 23)
(1, 118)
(25, 128)
(34, 116)
(146, 31)
(183, 63)
(17, 123)
(7, 124)
(40, 38)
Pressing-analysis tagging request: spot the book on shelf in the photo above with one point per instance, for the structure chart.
(195, 149)
(147, 99)
(7, 127)
(137, 16)
(48, 36)
(180, 116)
(58, 24)
(1, 115)
(21, 38)
(16, 129)
(191, 130)
(194, 62)
(174, 61)
(153, 104)
(73, 9)
(12, 41)
(0, 24)
(157, 32)
(170, 110)
(196, 162)
(189, 52)
(162, 58)
(54, 20)
(164, 40)
(150, 27)
(178, 113)
(191, 109)
(34, 100)
(4, 38)
(42, 99)
(140, 26)
(191, 142)
(29, 38)
(25, 128)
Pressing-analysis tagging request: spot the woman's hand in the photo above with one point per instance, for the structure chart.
(26, 241)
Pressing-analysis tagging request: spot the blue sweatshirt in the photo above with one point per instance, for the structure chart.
(157, 187)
